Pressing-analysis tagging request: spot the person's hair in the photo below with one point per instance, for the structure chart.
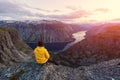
(41, 43)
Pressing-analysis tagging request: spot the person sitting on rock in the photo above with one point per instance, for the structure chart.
(42, 55)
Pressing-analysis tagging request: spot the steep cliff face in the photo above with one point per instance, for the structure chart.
(12, 47)
(109, 70)
(100, 47)
(49, 31)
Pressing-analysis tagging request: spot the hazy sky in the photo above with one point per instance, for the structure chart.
(63, 10)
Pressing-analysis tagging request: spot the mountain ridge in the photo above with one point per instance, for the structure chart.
(94, 49)
(12, 47)
(49, 31)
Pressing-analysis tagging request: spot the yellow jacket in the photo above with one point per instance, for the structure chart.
(41, 55)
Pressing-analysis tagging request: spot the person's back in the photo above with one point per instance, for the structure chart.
(41, 54)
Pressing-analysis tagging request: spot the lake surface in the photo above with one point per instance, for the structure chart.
(52, 47)
(62, 46)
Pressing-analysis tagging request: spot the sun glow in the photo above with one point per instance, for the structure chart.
(63, 10)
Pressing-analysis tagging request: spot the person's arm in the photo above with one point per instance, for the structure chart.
(47, 55)
(34, 51)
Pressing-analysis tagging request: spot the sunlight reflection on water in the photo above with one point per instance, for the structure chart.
(78, 37)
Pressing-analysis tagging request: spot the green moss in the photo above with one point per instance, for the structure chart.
(6, 29)
(9, 30)
(13, 77)
(55, 56)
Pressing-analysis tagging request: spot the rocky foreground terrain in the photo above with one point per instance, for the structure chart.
(109, 70)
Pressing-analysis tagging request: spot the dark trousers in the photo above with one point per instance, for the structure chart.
(53, 61)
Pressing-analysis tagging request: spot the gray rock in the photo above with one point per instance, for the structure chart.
(108, 70)
(12, 47)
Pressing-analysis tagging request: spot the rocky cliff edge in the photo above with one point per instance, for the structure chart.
(12, 47)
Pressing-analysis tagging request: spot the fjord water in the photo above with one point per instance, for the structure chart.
(57, 47)
(78, 36)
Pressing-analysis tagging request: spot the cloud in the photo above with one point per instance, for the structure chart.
(44, 10)
(8, 8)
(56, 10)
(12, 10)
(71, 7)
(40, 9)
(73, 15)
(68, 16)
(103, 10)
(116, 20)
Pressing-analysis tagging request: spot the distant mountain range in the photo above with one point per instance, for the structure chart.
(47, 30)
(99, 28)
